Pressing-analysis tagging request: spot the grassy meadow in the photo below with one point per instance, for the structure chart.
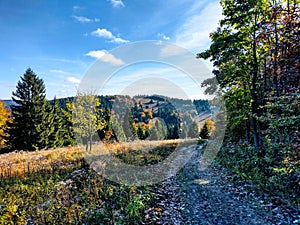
(58, 187)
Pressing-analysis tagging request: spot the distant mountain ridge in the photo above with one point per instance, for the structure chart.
(149, 102)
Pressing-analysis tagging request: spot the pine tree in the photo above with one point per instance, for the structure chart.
(157, 131)
(62, 134)
(118, 130)
(32, 124)
(147, 133)
(128, 127)
(205, 131)
(176, 132)
(68, 123)
(140, 132)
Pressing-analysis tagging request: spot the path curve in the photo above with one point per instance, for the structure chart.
(207, 197)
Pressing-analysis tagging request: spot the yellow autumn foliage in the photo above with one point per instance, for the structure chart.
(4, 117)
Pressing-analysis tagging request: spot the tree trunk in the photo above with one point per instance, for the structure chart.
(255, 104)
(91, 142)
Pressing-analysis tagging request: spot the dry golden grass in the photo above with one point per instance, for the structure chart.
(21, 163)
(138, 145)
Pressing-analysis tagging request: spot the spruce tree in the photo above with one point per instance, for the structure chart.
(62, 134)
(32, 124)
(176, 131)
(140, 132)
(68, 123)
(205, 131)
(118, 130)
(128, 127)
(158, 131)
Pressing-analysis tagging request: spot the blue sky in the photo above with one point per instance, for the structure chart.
(60, 40)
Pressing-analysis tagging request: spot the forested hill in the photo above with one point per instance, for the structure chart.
(118, 118)
(182, 105)
(178, 116)
(152, 102)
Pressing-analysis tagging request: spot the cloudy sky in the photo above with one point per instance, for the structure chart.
(61, 40)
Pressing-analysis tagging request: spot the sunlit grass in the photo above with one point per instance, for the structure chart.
(21, 163)
(57, 187)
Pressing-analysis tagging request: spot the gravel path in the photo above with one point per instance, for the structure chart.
(207, 197)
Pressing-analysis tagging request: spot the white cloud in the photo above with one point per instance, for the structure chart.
(117, 3)
(104, 56)
(82, 19)
(71, 76)
(194, 33)
(73, 80)
(104, 33)
(96, 53)
(164, 37)
(119, 40)
(171, 50)
(58, 71)
(63, 72)
(76, 8)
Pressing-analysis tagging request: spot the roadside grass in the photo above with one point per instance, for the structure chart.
(153, 152)
(58, 187)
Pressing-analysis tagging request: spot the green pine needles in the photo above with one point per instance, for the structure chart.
(36, 124)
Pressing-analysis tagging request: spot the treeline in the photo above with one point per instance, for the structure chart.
(255, 51)
(36, 123)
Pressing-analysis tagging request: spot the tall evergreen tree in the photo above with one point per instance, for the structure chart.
(62, 130)
(118, 130)
(140, 132)
(205, 131)
(32, 124)
(128, 127)
(158, 131)
(68, 123)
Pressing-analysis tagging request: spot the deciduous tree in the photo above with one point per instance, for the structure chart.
(4, 117)
(86, 118)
